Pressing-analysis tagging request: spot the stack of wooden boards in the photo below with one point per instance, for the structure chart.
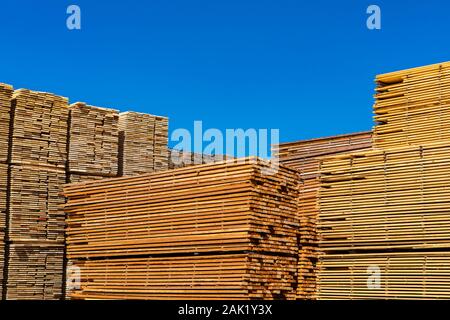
(94, 141)
(144, 143)
(214, 231)
(38, 155)
(384, 225)
(305, 156)
(5, 97)
(382, 206)
(44, 144)
(413, 106)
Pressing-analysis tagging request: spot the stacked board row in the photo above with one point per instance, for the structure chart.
(244, 206)
(143, 143)
(396, 198)
(45, 143)
(35, 219)
(305, 156)
(180, 159)
(229, 276)
(35, 271)
(412, 106)
(3, 208)
(384, 200)
(6, 92)
(385, 275)
(93, 140)
(39, 129)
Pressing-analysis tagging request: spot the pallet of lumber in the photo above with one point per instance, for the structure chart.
(36, 202)
(39, 128)
(35, 271)
(212, 277)
(181, 159)
(143, 143)
(386, 275)
(229, 206)
(391, 199)
(305, 157)
(6, 92)
(412, 106)
(94, 140)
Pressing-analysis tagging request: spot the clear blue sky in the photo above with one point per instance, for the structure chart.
(304, 67)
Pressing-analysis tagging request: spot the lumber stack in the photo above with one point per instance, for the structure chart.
(94, 140)
(35, 216)
(229, 276)
(144, 139)
(39, 134)
(178, 224)
(3, 208)
(35, 271)
(43, 145)
(78, 178)
(35, 204)
(181, 159)
(403, 275)
(305, 156)
(412, 106)
(379, 201)
(5, 105)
